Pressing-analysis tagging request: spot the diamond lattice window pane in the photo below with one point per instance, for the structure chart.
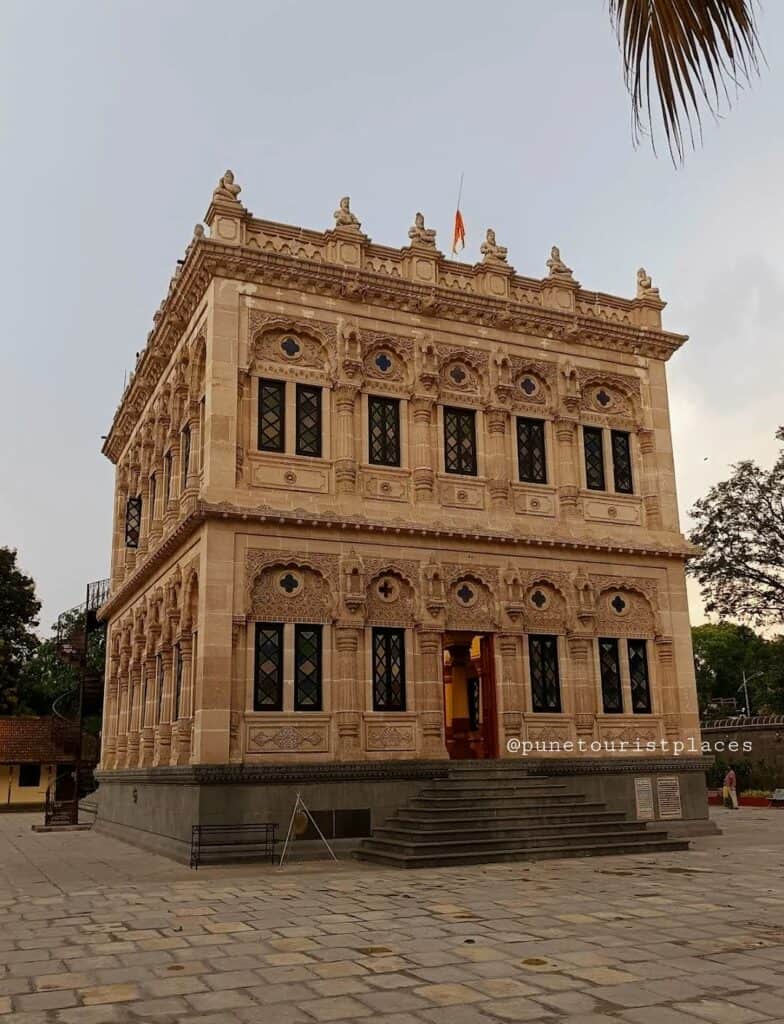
(594, 458)
(530, 451)
(272, 406)
(545, 678)
(308, 421)
(622, 462)
(638, 674)
(610, 666)
(268, 688)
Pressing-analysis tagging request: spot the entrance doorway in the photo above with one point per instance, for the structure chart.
(469, 696)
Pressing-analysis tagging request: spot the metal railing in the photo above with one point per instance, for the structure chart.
(744, 722)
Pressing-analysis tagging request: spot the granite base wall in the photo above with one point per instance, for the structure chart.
(156, 808)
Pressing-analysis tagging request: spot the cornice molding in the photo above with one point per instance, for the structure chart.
(361, 524)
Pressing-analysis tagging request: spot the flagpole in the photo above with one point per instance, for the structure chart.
(460, 189)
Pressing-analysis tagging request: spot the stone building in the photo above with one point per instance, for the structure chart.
(376, 509)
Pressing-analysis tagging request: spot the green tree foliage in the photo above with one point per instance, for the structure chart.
(723, 652)
(740, 531)
(19, 608)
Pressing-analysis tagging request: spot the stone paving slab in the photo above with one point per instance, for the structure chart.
(93, 931)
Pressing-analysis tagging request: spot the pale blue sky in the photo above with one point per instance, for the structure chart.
(118, 118)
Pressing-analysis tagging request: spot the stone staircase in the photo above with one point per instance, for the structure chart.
(497, 813)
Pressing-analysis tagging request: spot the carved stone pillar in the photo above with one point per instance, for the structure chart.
(148, 727)
(512, 690)
(566, 459)
(121, 747)
(497, 463)
(118, 560)
(347, 704)
(243, 422)
(192, 474)
(172, 505)
(345, 449)
(668, 685)
(650, 482)
(581, 673)
(134, 710)
(422, 409)
(182, 748)
(429, 694)
(109, 735)
(163, 737)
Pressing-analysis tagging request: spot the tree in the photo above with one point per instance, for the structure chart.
(685, 53)
(724, 652)
(19, 608)
(740, 531)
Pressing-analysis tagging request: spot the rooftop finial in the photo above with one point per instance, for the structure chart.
(227, 189)
(419, 234)
(557, 266)
(645, 289)
(492, 252)
(344, 218)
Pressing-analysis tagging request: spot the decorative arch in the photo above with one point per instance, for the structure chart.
(471, 603)
(386, 358)
(625, 608)
(611, 395)
(291, 588)
(287, 342)
(391, 597)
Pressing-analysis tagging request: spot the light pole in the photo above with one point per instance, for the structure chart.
(745, 688)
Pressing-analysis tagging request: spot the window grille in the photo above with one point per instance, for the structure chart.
(594, 458)
(308, 421)
(530, 451)
(133, 522)
(268, 688)
(384, 431)
(460, 441)
(272, 415)
(307, 668)
(622, 462)
(638, 674)
(545, 677)
(389, 670)
(610, 669)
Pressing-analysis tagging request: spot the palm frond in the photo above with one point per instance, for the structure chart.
(689, 54)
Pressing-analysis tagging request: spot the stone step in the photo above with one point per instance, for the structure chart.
(403, 832)
(418, 845)
(446, 799)
(430, 822)
(589, 849)
(493, 809)
(460, 787)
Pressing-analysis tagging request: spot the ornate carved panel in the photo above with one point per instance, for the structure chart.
(391, 598)
(390, 732)
(385, 485)
(612, 510)
(545, 606)
(461, 494)
(288, 735)
(298, 345)
(284, 587)
(626, 607)
(471, 596)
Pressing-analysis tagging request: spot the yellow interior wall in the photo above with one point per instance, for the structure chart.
(12, 793)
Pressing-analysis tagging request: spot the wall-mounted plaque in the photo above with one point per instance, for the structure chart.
(643, 796)
(668, 792)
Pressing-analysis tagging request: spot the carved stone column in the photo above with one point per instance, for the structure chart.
(668, 685)
(118, 560)
(650, 482)
(134, 710)
(512, 690)
(347, 704)
(172, 505)
(422, 409)
(581, 673)
(566, 458)
(163, 737)
(497, 463)
(109, 735)
(345, 450)
(193, 470)
(148, 728)
(243, 422)
(429, 694)
(182, 749)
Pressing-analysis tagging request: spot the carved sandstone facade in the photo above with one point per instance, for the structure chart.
(336, 460)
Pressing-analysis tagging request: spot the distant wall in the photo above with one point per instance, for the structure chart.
(758, 742)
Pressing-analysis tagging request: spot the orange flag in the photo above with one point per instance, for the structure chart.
(458, 238)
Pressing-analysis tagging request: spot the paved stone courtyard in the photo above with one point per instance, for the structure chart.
(92, 930)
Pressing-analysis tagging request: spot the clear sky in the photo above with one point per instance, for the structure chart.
(118, 119)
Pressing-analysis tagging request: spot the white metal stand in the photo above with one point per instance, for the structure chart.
(299, 805)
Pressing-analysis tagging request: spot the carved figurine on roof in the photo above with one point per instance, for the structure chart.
(344, 218)
(227, 189)
(491, 251)
(420, 235)
(557, 266)
(645, 289)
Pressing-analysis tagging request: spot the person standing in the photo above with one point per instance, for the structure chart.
(731, 790)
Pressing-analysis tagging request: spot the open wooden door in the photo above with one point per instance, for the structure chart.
(489, 699)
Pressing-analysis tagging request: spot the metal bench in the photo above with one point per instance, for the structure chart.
(221, 843)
